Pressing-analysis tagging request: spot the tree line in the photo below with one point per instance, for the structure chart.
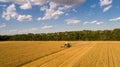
(85, 35)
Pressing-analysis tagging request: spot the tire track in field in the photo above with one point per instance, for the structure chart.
(60, 55)
(74, 59)
(38, 58)
(57, 61)
(112, 58)
(98, 55)
(48, 58)
(61, 58)
(108, 57)
(42, 60)
(116, 54)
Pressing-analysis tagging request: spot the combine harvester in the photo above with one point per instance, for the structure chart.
(66, 45)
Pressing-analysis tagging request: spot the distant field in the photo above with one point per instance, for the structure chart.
(50, 54)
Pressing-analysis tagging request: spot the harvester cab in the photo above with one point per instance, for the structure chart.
(67, 45)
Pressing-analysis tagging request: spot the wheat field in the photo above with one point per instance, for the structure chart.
(50, 54)
(16, 53)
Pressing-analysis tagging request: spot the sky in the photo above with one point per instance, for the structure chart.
(46, 16)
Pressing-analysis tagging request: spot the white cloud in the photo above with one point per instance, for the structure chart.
(115, 19)
(105, 2)
(43, 8)
(2, 25)
(39, 18)
(69, 2)
(38, 2)
(64, 7)
(107, 8)
(57, 13)
(26, 5)
(4, 0)
(72, 21)
(47, 27)
(93, 22)
(19, 1)
(51, 12)
(41, 2)
(52, 5)
(10, 12)
(24, 18)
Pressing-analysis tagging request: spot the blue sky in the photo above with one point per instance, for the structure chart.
(43, 16)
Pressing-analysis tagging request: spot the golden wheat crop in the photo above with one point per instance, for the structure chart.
(85, 54)
(15, 53)
(50, 54)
